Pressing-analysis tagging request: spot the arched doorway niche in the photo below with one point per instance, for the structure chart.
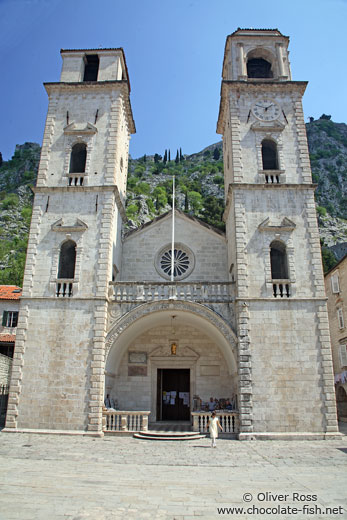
(139, 350)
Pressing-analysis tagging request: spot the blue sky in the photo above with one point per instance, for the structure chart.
(174, 51)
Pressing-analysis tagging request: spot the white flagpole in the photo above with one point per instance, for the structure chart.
(173, 231)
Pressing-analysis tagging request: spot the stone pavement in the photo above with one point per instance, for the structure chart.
(54, 477)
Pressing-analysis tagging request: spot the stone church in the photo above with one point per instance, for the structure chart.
(243, 315)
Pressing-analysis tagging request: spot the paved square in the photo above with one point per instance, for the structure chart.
(51, 477)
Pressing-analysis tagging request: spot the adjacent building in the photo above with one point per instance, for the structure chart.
(336, 290)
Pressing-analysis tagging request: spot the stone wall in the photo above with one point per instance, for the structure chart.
(5, 369)
(141, 247)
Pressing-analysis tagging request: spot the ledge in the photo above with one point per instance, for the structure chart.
(289, 436)
(54, 432)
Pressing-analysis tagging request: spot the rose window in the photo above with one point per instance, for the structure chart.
(183, 262)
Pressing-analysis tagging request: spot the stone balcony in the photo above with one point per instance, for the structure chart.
(199, 292)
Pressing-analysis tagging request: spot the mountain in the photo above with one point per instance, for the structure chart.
(199, 191)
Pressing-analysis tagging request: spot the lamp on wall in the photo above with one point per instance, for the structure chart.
(173, 342)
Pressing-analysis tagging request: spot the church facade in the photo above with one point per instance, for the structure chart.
(245, 317)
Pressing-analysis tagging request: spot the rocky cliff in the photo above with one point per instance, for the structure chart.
(199, 191)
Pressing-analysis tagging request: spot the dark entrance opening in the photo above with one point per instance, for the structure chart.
(173, 397)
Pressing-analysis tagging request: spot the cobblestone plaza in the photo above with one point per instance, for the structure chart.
(60, 477)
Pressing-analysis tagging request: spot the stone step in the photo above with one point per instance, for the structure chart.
(168, 435)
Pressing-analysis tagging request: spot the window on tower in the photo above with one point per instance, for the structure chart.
(278, 257)
(91, 67)
(279, 269)
(67, 260)
(269, 154)
(259, 68)
(78, 158)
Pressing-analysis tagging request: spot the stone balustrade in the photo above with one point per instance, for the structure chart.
(202, 292)
(124, 421)
(229, 421)
(281, 288)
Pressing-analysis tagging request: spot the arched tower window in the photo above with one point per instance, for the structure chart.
(259, 68)
(269, 154)
(67, 260)
(279, 263)
(78, 158)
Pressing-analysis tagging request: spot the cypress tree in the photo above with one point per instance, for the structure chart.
(177, 160)
(169, 155)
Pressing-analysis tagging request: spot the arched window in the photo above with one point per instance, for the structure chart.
(67, 260)
(259, 68)
(279, 264)
(269, 155)
(78, 158)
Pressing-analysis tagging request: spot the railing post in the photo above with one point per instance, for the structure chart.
(124, 423)
(195, 423)
(145, 422)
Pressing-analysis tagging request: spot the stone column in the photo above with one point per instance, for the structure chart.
(280, 59)
(242, 68)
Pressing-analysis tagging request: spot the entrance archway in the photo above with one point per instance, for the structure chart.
(139, 350)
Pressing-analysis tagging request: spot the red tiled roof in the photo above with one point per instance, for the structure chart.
(7, 338)
(10, 292)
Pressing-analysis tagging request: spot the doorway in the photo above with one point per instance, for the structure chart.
(173, 394)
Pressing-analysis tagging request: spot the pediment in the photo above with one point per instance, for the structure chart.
(285, 225)
(268, 126)
(78, 226)
(182, 352)
(74, 129)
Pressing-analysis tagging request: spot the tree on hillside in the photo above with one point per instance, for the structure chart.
(324, 116)
(160, 197)
(195, 201)
(0, 159)
(216, 154)
(177, 160)
(165, 157)
(169, 155)
(157, 158)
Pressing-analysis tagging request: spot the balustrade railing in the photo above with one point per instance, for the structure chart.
(228, 420)
(125, 421)
(64, 288)
(151, 291)
(281, 288)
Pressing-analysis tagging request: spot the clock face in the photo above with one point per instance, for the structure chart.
(266, 110)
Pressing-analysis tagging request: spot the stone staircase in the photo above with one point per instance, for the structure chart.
(169, 431)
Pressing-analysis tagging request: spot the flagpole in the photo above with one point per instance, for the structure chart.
(173, 231)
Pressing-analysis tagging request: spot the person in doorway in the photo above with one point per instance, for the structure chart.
(109, 402)
(211, 404)
(213, 426)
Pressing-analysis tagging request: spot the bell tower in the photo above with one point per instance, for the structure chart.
(285, 368)
(74, 246)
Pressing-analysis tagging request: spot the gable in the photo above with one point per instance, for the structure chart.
(200, 246)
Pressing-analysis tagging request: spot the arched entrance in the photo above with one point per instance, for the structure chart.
(165, 357)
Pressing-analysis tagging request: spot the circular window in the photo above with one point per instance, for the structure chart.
(183, 263)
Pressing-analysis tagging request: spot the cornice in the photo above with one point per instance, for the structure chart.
(122, 85)
(248, 186)
(84, 189)
(257, 86)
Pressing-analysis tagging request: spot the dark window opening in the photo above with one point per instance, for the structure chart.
(10, 318)
(269, 155)
(7, 349)
(67, 260)
(78, 158)
(278, 257)
(91, 68)
(259, 68)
